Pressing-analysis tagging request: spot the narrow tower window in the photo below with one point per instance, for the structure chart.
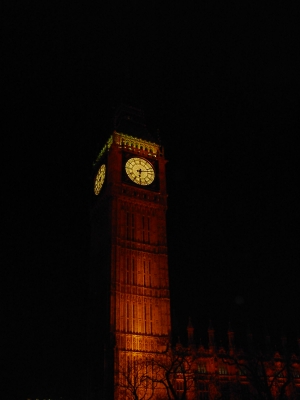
(148, 229)
(143, 229)
(133, 317)
(149, 279)
(145, 318)
(127, 316)
(130, 226)
(127, 226)
(133, 272)
(150, 318)
(127, 279)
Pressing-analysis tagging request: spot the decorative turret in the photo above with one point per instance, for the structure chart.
(211, 337)
(201, 347)
(178, 345)
(190, 332)
(230, 338)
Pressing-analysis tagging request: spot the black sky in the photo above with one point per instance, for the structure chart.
(220, 82)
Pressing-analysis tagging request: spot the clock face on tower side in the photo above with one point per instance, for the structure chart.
(99, 180)
(140, 171)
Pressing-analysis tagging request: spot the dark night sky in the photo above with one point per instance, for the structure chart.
(220, 82)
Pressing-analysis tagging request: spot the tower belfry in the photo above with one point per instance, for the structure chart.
(129, 261)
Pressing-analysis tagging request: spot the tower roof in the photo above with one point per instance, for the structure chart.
(131, 121)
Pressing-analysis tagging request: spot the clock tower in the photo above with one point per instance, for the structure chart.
(129, 282)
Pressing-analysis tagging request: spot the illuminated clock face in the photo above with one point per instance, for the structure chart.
(140, 171)
(99, 179)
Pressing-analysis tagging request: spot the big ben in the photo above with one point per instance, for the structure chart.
(129, 285)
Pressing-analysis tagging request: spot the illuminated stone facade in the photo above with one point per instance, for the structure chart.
(129, 245)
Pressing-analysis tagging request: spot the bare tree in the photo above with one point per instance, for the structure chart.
(268, 378)
(173, 371)
(135, 380)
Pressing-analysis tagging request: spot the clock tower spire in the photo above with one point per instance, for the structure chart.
(129, 260)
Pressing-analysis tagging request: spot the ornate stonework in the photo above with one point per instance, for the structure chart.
(136, 259)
